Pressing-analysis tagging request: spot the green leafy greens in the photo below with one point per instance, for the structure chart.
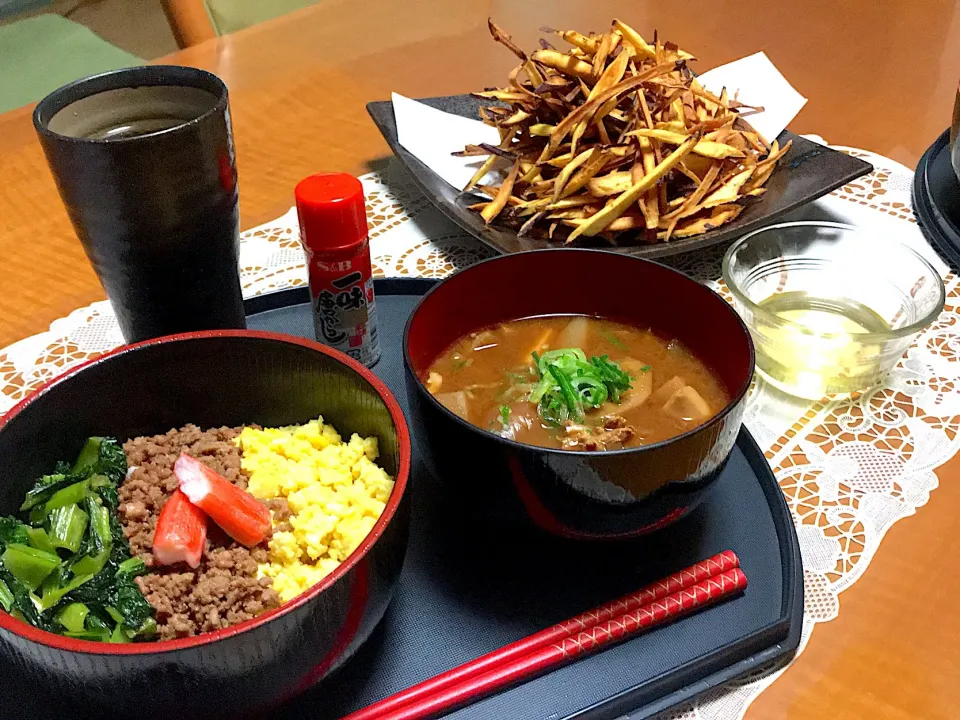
(505, 416)
(616, 342)
(570, 384)
(66, 567)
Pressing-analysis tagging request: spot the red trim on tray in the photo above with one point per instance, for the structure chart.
(29, 632)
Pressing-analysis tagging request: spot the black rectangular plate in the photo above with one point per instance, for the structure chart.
(808, 171)
(466, 591)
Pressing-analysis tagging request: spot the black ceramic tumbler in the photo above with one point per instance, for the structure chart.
(144, 162)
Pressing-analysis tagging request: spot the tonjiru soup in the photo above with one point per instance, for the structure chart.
(575, 383)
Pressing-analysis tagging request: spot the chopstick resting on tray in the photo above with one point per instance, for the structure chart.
(693, 588)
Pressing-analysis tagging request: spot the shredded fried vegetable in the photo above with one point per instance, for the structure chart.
(615, 138)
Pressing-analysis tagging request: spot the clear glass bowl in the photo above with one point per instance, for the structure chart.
(831, 307)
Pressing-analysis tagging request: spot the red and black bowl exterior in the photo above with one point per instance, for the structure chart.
(580, 495)
(210, 379)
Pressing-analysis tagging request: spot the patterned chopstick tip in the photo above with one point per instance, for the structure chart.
(716, 565)
(697, 596)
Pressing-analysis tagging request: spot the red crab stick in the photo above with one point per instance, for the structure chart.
(237, 512)
(181, 532)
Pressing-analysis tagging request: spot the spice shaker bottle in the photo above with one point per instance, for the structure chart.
(333, 232)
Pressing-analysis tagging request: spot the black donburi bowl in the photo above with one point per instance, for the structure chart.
(208, 378)
(589, 495)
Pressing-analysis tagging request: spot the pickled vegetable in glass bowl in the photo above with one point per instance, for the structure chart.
(831, 308)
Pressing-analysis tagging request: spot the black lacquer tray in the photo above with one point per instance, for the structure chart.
(467, 590)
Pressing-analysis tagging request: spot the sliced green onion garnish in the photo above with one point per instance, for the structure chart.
(570, 384)
(566, 389)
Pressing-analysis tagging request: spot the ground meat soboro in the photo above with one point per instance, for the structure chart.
(224, 589)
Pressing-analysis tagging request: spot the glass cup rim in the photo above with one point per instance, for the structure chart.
(777, 321)
(125, 78)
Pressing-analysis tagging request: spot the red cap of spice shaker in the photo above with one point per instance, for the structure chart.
(332, 212)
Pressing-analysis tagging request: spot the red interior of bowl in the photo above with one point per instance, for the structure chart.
(584, 282)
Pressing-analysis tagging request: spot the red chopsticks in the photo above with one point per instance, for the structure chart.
(695, 587)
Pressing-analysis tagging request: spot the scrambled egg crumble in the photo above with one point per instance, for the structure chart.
(334, 490)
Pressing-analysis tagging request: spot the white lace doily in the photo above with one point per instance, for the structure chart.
(849, 468)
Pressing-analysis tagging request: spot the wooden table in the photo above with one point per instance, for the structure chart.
(881, 76)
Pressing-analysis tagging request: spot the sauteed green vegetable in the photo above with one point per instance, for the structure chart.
(65, 564)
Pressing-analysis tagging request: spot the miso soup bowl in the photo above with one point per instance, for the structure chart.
(212, 378)
(577, 494)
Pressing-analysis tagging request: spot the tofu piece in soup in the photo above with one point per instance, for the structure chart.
(686, 404)
(455, 402)
(667, 390)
